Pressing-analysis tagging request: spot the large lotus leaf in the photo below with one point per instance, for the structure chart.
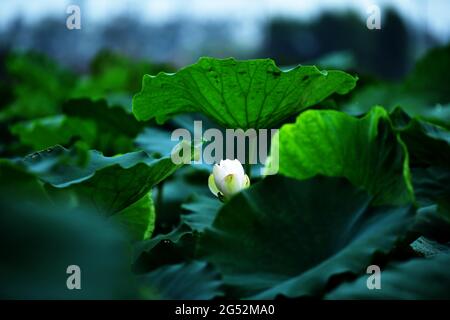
(417, 279)
(107, 184)
(195, 280)
(290, 236)
(138, 218)
(202, 211)
(237, 94)
(366, 151)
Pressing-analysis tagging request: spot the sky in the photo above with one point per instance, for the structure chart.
(430, 14)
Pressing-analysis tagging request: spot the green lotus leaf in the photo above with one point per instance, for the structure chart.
(138, 218)
(195, 280)
(429, 151)
(106, 184)
(366, 151)
(289, 237)
(201, 212)
(237, 94)
(417, 279)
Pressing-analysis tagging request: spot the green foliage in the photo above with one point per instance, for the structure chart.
(106, 184)
(431, 76)
(194, 280)
(202, 212)
(404, 280)
(45, 132)
(423, 93)
(108, 129)
(114, 77)
(429, 148)
(364, 178)
(366, 151)
(39, 87)
(314, 240)
(138, 218)
(237, 94)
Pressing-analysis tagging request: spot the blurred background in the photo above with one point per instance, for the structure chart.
(177, 32)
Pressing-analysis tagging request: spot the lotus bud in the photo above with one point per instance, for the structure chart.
(227, 179)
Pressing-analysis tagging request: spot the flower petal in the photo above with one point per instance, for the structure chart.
(227, 166)
(231, 185)
(219, 173)
(212, 185)
(246, 181)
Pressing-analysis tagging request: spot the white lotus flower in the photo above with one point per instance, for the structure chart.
(227, 179)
